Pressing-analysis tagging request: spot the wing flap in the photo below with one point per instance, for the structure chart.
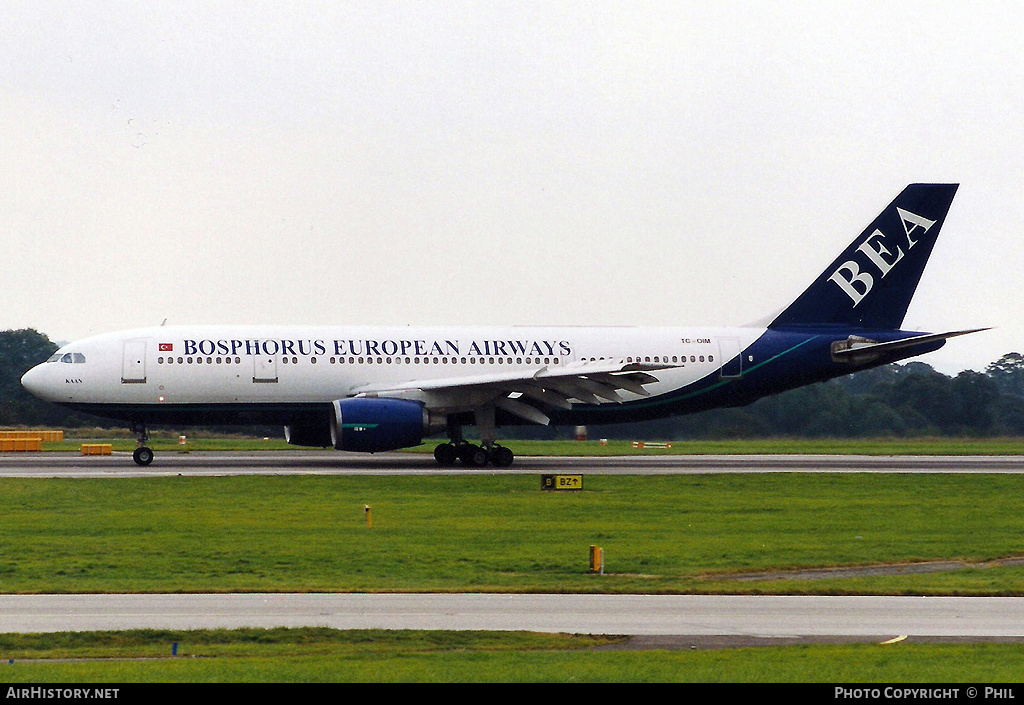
(523, 410)
(636, 372)
(525, 393)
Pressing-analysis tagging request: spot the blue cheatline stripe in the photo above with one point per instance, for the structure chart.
(784, 352)
(670, 399)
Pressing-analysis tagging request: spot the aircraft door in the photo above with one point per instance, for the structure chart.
(265, 369)
(133, 366)
(732, 359)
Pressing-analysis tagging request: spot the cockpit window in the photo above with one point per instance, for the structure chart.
(68, 358)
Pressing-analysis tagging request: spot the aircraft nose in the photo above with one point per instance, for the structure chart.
(35, 382)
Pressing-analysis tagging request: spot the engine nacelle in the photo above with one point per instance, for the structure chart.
(372, 425)
(368, 425)
(309, 434)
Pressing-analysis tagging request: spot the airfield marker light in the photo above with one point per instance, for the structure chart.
(367, 510)
(596, 559)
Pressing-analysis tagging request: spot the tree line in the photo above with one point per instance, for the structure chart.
(911, 399)
(908, 400)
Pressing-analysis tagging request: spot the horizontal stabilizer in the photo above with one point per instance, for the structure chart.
(857, 349)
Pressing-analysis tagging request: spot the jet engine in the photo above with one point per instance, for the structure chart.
(368, 425)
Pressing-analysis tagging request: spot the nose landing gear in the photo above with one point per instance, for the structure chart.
(142, 455)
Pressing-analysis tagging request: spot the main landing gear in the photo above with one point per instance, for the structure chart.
(143, 455)
(473, 455)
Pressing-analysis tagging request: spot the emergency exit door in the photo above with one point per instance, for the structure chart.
(732, 359)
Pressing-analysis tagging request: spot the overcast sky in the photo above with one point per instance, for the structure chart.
(499, 162)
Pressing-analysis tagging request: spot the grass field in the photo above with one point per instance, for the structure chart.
(660, 534)
(323, 655)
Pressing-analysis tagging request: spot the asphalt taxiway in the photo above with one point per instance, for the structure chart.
(743, 618)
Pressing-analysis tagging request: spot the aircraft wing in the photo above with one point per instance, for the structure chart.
(525, 393)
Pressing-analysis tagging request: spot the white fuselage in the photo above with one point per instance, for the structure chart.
(306, 364)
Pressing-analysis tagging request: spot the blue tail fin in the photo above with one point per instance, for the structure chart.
(870, 285)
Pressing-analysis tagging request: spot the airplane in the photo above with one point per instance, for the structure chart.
(374, 389)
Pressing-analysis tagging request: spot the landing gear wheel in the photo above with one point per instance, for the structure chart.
(501, 456)
(143, 455)
(473, 456)
(478, 458)
(445, 454)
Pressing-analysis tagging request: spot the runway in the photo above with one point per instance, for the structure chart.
(738, 617)
(332, 462)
